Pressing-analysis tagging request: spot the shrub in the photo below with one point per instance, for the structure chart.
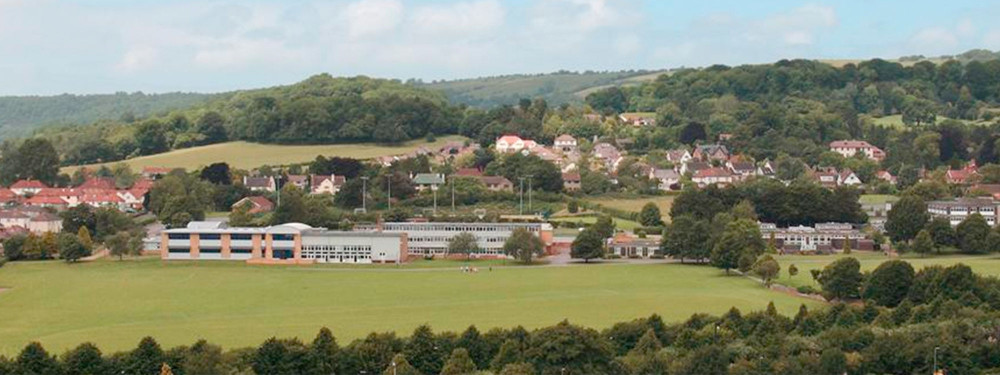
(807, 289)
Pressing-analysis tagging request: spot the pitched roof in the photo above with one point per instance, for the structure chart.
(850, 144)
(297, 178)
(98, 183)
(257, 182)
(468, 172)
(495, 180)
(712, 172)
(44, 200)
(571, 176)
(565, 138)
(665, 174)
(28, 184)
(428, 179)
(45, 216)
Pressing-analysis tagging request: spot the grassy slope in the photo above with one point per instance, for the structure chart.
(251, 155)
(115, 304)
(635, 204)
(556, 88)
(627, 225)
(896, 121)
(986, 265)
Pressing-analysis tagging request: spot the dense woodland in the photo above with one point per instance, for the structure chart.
(909, 322)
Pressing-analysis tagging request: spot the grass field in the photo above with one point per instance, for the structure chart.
(114, 304)
(985, 265)
(247, 155)
(635, 204)
(622, 224)
(896, 121)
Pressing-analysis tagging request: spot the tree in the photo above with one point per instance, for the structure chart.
(240, 216)
(650, 215)
(85, 359)
(212, 126)
(573, 206)
(792, 270)
(740, 237)
(179, 198)
(463, 243)
(79, 216)
(280, 357)
(889, 283)
(147, 358)
(832, 362)
(459, 363)
(588, 245)
(13, 247)
(972, 234)
(292, 208)
(203, 358)
(519, 368)
(400, 366)
(523, 245)
(841, 279)
(604, 226)
(565, 346)
(120, 244)
(923, 244)
(942, 233)
(767, 269)
(33, 359)
(323, 354)
(71, 248)
(479, 349)
(686, 238)
(217, 173)
(906, 218)
(423, 351)
(151, 138)
(84, 234)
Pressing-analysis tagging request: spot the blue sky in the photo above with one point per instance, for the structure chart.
(93, 46)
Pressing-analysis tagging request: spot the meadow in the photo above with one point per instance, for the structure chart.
(635, 204)
(114, 304)
(245, 155)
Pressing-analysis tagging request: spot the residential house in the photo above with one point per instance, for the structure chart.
(260, 184)
(423, 181)
(300, 181)
(513, 143)
(965, 176)
(638, 118)
(678, 156)
(98, 183)
(827, 177)
(667, 179)
(468, 172)
(46, 201)
(710, 153)
(44, 222)
(847, 177)
(326, 184)
(134, 198)
(989, 190)
(713, 176)
(627, 246)
(546, 154)
(884, 175)
(102, 198)
(693, 167)
(27, 187)
(565, 143)
(608, 155)
(571, 181)
(7, 196)
(741, 169)
(497, 183)
(257, 204)
(851, 147)
(766, 169)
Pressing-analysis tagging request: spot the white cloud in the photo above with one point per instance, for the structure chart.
(459, 18)
(796, 27)
(138, 58)
(366, 18)
(582, 15)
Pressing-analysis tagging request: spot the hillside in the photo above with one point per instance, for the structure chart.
(22, 115)
(556, 88)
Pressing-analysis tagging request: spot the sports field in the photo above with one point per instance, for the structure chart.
(983, 264)
(247, 155)
(114, 304)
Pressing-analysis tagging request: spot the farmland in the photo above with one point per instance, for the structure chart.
(114, 304)
(250, 155)
(985, 265)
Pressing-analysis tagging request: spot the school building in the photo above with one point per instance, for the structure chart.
(431, 239)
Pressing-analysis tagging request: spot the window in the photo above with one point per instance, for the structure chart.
(241, 236)
(210, 251)
(176, 250)
(241, 251)
(210, 236)
(178, 236)
(283, 237)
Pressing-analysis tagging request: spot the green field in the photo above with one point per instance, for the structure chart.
(114, 304)
(245, 155)
(627, 225)
(985, 265)
(896, 121)
(635, 204)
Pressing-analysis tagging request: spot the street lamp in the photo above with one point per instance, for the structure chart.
(529, 192)
(388, 181)
(521, 195)
(364, 193)
(935, 361)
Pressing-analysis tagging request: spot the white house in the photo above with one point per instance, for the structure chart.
(565, 143)
(513, 143)
(850, 148)
(326, 184)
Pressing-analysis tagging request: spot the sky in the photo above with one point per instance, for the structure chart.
(93, 46)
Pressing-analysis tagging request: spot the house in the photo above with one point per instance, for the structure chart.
(155, 173)
(260, 184)
(14, 218)
(766, 169)
(98, 183)
(848, 178)
(71, 197)
(964, 176)
(565, 143)
(609, 155)
(989, 190)
(7, 196)
(742, 169)
(667, 179)
(497, 183)
(513, 143)
(134, 198)
(27, 187)
(851, 147)
(257, 204)
(713, 176)
(571, 181)
(678, 156)
(46, 201)
(546, 154)
(326, 184)
(693, 167)
(827, 177)
(638, 118)
(44, 222)
(628, 246)
(711, 153)
(300, 181)
(102, 198)
(884, 175)
(468, 172)
(427, 180)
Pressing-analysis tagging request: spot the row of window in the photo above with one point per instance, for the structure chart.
(457, 228)
(176, 250)
(233, 236)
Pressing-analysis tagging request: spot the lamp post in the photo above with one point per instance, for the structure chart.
(521, 196)
(364, 193)
(389, 190)
(934, 372)
(529, 192)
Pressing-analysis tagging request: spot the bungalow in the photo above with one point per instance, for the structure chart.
(27, 187)
(257, 204)
(850, 148)
(713, 176)
(571, 181)
(46, 201)
(102, 198)
(260, 184)
(427, 180)
(667, 179)
(742, 169)
(711, 153)
(497, 183)
(300, 181)
(323, 184)
(513, 143)
(628, 246)
(7, 196)
(565, 143)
